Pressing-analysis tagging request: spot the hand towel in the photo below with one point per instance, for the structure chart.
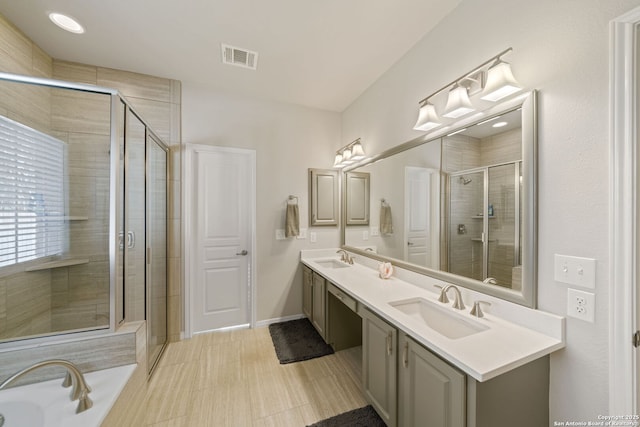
(386, 223)
(292, 221)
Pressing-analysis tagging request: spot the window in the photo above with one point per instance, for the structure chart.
(32, 200)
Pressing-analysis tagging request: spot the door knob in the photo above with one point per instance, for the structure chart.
(243, 253)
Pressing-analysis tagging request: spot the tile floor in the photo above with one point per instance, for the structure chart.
(234, 379)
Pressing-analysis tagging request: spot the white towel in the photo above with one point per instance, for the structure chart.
(386, 223)
(292, 221)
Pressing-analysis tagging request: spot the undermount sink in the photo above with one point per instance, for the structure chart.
(440, 319)
(332, 263)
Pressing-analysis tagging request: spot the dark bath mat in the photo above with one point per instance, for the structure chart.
(363, 417)
(297, 340)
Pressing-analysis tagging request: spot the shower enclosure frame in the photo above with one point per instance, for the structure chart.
(116, 189)
(485, 209)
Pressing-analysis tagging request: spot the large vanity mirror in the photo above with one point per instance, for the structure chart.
(459, 204)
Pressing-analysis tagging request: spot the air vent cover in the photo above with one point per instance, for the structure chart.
(240, 57)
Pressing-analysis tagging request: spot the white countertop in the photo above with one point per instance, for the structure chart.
(505, 345)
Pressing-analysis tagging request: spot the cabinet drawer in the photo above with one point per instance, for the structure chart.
(346, 299)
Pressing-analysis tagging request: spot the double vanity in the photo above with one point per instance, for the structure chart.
(426, 363)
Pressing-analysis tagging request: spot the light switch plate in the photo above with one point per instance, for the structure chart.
(280, 234)
(575, 270)
(365, 235)
(313, 237)
(302, 235)
(374, 231)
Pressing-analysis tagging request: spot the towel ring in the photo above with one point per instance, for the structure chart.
(294, 199)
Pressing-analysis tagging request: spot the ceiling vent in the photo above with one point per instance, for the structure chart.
(239, 57)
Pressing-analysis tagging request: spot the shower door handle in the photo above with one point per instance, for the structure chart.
(243, 253)
(131, 240)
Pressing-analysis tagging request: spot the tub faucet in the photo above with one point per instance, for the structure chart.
(457, 301)
(74, 377)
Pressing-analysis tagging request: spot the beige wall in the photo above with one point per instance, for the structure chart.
(287, 139)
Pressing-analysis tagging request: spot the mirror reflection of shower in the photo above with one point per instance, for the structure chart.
(483, 165)
(464, 181)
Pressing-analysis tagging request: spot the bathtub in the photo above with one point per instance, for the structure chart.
(47, 404)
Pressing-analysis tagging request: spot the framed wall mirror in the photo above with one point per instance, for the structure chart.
(459, 204)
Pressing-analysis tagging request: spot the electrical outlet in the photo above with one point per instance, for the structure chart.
(302, 235)
(375, 231)
(280, 234)
(581, 305)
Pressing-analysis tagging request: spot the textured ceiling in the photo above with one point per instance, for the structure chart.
(318, 54)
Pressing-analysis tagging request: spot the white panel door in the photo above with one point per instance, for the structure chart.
(416, 223)
(222, 219)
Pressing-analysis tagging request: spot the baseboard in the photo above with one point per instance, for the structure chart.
(263, 323)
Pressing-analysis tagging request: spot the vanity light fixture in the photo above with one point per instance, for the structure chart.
(500, 82)
(349, 154)
(427, 117)
(458, 103)
(66, 23)
(493, 80)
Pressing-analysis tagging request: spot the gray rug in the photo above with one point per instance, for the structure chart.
(363, 417)
(297, 340)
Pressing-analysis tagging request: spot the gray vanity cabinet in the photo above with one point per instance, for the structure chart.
(379, 358)
(307, 291)
(318, 310)
(430, 391)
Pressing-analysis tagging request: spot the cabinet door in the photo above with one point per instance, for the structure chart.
(319, 304)
(323, 187)
(379, 355)
(307, 291)
(431, 392)
(357, 203)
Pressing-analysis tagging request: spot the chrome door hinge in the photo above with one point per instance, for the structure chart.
(636, 339)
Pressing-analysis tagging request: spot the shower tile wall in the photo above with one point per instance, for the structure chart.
(158, 101)
(25, 307)
(53, 296)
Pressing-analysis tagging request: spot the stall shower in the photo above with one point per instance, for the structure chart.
(83, 213)
(484, 232)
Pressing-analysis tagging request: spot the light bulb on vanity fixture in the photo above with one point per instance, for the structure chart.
(349, 154)
(500, 82)
(458, 103)
(493, 80)
(427, 117)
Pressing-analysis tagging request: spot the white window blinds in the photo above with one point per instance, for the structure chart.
(32, 200)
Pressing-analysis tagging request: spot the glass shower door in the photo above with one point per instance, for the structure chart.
(503, 228)
(466, 224)
(156, 250)
(134, 231)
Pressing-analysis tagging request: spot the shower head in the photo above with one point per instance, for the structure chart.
(464, 180)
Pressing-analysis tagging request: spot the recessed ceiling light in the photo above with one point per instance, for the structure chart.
(66, 23)
(499, 124)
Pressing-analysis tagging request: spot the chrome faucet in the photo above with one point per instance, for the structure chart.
(345, 256)
(457, 301)
(74, 377)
